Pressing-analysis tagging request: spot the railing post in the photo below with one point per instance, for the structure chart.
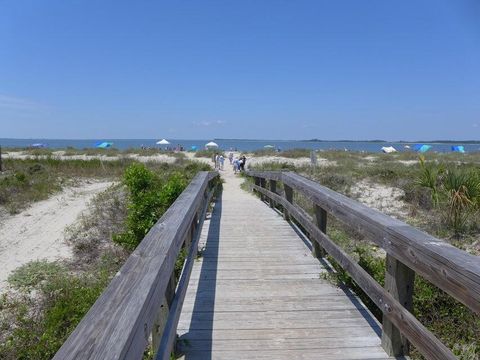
(289, 196)
(256, 181)
(399, 281)
(321, 218)
(162, 315)
(273, 188)
(262, 184)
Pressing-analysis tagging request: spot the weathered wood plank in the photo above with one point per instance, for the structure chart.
(365, 353)
(278, 334)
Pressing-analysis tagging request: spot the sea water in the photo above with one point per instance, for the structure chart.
(227, 144)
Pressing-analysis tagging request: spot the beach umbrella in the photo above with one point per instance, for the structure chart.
(104, 145)
(388, 149)
(458, 148)
(211, 144)
(422, 147)
(194, 148)
(269, 146)
(39, 145)
(407, 146)
(163, 142)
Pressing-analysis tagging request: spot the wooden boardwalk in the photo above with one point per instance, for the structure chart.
(256, 293)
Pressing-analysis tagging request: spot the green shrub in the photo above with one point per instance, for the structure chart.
(149, 197)
(37, 326)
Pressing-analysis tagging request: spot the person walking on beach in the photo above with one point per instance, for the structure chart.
(230, 157)
(236, 165)
(221, 160)
(217, 162)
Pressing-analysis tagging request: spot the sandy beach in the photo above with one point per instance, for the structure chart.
(37, 233)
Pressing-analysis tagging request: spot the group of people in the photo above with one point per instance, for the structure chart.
(219, 161)
(237, 163)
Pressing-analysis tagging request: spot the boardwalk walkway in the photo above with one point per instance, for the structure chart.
(256, 293)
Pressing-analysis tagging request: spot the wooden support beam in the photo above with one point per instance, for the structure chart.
(257, 181)
(289, 198)
(273, 188)
(263, 185)
(399, 282)
(321, 219)
(162, 315)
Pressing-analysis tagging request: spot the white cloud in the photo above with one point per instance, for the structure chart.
(19, 104)
(210, 123)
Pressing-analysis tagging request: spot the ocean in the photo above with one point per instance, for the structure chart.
(227, 144)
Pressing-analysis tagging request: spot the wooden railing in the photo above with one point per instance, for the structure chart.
(143, 298)
(409, 252)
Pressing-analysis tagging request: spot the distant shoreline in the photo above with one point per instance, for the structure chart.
(380, 141)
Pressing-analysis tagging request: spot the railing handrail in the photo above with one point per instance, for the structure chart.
(409, 251)
(119, 324)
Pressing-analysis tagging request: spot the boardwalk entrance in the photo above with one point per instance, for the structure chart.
(256, 292)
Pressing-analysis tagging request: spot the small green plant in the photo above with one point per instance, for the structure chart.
(33, 273)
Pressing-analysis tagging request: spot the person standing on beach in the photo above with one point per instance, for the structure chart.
(217, 165)
(230, 157)
(243, 161)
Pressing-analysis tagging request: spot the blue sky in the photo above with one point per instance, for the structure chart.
(265, 69)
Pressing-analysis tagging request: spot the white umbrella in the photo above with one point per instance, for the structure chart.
(163, 142)
(211, 144)
(388, 149)
(269, 146)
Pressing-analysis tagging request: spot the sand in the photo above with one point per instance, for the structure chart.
(38, 232)
(60, 155)
(386, 199)
(259, 160)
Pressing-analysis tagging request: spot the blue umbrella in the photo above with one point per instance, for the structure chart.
(194, 148)
(103, 145)
(422, 147)
(458, 148)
